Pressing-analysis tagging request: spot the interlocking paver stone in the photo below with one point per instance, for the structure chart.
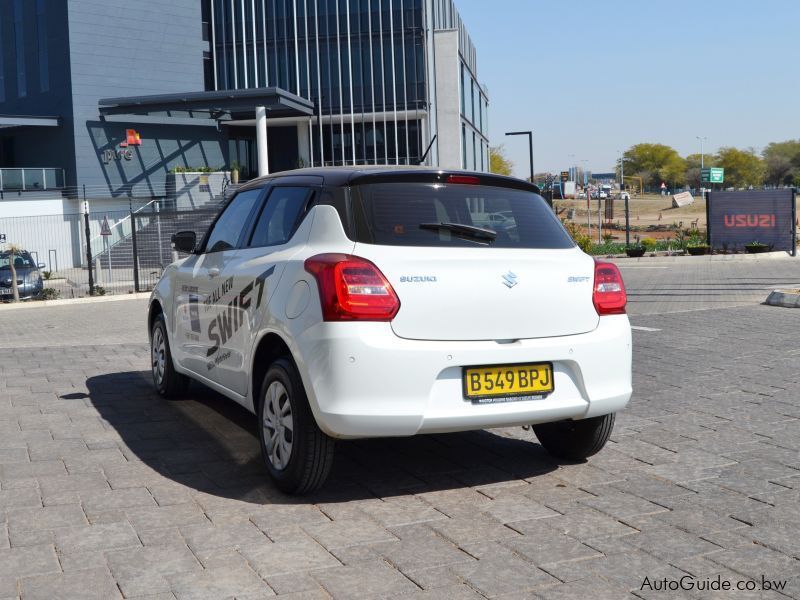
(32, 560)
(95, 538)
(499, 576)
(207, 536)
(48, 517)
(141, 571)
(237, 582)
(371, 580)
(431, 551)
(701, 476)
(337, 534)
(276, 558)
(95, 584)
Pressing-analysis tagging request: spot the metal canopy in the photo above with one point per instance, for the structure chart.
(221, 103)
(28, 121)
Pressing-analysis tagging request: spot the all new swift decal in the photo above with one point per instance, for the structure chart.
(230, 319)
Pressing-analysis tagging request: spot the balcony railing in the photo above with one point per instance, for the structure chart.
(31, 180)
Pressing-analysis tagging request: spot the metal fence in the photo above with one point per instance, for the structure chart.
(104, 251)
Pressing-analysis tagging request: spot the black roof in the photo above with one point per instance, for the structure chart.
(354, 175)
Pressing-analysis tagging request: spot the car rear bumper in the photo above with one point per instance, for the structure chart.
(364, 381)
(26, 291)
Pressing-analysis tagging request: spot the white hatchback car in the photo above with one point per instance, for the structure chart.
(365, 302)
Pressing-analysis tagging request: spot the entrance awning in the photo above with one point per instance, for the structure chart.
(7, 121)
(220, 104)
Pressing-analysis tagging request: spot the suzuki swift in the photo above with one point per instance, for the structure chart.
(366, 302)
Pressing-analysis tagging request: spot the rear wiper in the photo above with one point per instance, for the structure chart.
(469, 232)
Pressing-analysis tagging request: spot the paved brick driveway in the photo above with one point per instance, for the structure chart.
(106, 490)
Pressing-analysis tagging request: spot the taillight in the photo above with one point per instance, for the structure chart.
(609, 295)
(464, 179)
(352, 289)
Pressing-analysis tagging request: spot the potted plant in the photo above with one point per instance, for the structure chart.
(756, 247)
(235, 172)
(696, 246)
(636, 250)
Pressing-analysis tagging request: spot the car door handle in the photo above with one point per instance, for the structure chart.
(213, 272)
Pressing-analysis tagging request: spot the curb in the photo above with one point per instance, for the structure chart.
(71, 301)
(705, 258)
(785, 298)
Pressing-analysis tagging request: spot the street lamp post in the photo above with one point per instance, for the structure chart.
(530, 143)
(626, 197)
(702, 166)
(588, 199)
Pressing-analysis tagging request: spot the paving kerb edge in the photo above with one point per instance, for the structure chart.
(705, 258)
(72, 301)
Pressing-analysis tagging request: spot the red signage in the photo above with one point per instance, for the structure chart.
(132, 138)
(750, 220)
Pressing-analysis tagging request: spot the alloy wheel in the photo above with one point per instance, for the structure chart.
(278, 425)
(159, 355)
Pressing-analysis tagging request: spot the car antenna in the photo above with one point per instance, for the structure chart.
(424, 156)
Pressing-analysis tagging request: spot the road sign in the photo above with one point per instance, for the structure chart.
(604, 176)
(712, 175)
(104, 228)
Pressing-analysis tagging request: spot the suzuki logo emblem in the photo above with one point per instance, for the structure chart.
(510, 280)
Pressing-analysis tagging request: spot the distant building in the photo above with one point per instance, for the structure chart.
(112, 94)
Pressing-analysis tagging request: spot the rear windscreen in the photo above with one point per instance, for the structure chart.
(391, 214)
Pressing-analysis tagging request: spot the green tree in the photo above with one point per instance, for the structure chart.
(782, 162)
(694, 165)
(743, 168)
(498, 161)
(655, 163)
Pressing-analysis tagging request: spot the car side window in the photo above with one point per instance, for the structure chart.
(280, 216)
(231, 224)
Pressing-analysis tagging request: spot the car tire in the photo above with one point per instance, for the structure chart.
(167, 381)
(297, 454)
(575, 440)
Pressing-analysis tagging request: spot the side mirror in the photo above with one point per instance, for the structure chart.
(41, 266)
(184, 241)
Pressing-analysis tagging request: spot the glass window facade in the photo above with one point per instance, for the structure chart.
(474, 122)
(355, 59)
(19, 48)
(363, 63)
(44, 59)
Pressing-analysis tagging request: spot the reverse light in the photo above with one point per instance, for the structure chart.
(464, 179)
(609, 295)
(352, 288)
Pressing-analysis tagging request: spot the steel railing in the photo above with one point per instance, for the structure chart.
(31, 179)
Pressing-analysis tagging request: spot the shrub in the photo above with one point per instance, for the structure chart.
(99, 290)
(50, 294)
(180, 169)
(649, 244)
(47, 274)
(584, 241)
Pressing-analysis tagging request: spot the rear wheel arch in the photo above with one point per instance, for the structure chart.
(153, 312)
(269, 348)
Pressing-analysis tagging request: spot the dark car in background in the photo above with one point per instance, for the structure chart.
(29, 278)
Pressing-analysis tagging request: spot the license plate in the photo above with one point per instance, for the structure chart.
(6, 291)
(504, 383)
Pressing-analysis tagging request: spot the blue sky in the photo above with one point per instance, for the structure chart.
(592, 78)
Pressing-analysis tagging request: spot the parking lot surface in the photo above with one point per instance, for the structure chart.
(107, 491)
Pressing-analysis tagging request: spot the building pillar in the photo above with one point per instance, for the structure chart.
(303, 150)
(261, 141)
